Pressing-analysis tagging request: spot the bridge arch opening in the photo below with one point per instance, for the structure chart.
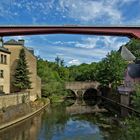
(71, 94)
(90, 93)
(90, 97)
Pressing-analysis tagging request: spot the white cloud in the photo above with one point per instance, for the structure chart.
(88, 10)
(74, 62)
(84, 11)
(89, 43)
(108, 42)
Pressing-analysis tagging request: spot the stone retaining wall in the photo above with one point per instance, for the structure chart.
(13, 99)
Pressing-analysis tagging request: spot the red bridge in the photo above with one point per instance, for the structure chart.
(129, 31)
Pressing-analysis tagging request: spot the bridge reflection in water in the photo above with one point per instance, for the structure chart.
(73, 118)
(82, 106)
(31, 129)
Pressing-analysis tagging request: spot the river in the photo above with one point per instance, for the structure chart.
(70, 120)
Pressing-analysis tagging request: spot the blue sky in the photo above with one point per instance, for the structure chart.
(74, 49)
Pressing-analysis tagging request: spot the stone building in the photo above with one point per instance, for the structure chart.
(14, 47)
(132, 72)
(4, 69)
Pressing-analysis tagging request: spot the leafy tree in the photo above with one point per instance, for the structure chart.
(62, 62)
(52, 77)
(136, 97)
(131, 130)
(57, 60)
(111, 69)
(21, 77)
(83, 72)
(134, 46)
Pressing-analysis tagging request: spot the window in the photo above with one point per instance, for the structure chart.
(1, 74)
(3, 59)
(1, 88)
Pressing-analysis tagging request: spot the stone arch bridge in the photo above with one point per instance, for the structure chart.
(80, 88)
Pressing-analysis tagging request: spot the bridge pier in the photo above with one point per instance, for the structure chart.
(125, 100)
(79, 93)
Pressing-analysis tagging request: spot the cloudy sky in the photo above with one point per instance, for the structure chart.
(74, 49)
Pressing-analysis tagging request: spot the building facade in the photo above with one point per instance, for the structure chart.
(4, 69)
(14, 48)
(131, 78)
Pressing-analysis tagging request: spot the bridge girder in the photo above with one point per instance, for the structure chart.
(128, 31)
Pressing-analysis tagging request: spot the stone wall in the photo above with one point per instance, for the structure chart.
(13, 99)
(38, 86)
(81, 85)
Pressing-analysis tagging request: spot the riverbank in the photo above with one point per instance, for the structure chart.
(14, 114)
(57, 99)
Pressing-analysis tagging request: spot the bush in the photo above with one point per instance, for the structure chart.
(136, 97)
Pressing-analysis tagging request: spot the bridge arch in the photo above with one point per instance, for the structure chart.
(90, 93)
(80, 87)
(71, 93)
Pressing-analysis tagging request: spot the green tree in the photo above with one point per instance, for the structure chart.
(21, 76)
(62, 62)
(131, 130)
(134, 46)
(111, 70)
(57, 60)
(52, 78)
(136, 97)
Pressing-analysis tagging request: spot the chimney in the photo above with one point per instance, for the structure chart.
(1, 42)
(21, 41)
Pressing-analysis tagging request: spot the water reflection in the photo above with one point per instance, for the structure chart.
(65, 121)
(85, 106)
(27, 130)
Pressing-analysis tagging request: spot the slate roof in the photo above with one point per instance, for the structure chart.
(126, 54)
(12, 42)
(2, 49)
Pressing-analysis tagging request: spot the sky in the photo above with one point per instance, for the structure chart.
(74, 49)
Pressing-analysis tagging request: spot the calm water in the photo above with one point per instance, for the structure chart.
(73, 120)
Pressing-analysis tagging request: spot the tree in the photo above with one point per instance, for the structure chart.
(111, 70)
(57, 60)
(52, 78)
(21, 76)
(136, 97)
(62, 63)
(134, 46)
